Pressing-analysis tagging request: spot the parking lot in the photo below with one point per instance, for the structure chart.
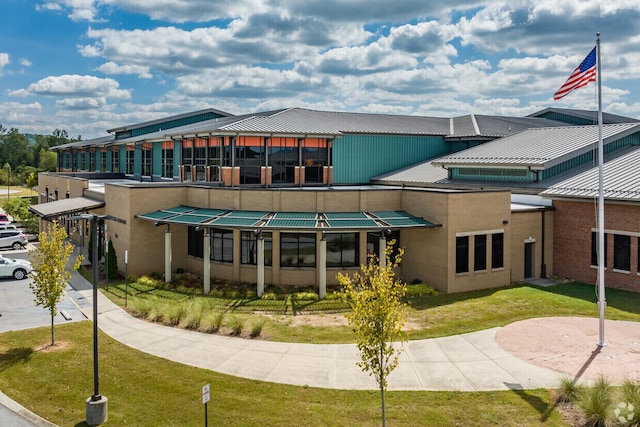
(17, 307)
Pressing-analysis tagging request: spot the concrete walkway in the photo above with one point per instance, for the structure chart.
(468, 362)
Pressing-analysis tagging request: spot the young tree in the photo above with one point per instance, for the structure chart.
(18, 208)
(112, 261)
(377, 316)
(49, 262)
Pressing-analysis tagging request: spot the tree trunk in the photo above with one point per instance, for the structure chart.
(381, 384)
(53, 342)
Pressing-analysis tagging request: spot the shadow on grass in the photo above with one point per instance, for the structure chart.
(616, 298)
(13, 356)
(535, 402)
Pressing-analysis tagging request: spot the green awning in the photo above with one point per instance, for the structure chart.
(325, 221)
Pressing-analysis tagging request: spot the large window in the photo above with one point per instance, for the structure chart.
(83, 160)
(187, 158)
(462, 254)
(195, 242)
(298, 250)
(167, 159)
(103, 160)
(480, 252)
(622, 252)
(497, 250)
(342, 249)
(146, 159)
(221, 245)
(115, 159)
(130, 162)
(373, 243)
(249, 248)
(594, 248)
(92, 160)
(213, 155)
(283, 157)
(200, 159)
(250, 158)
(314, 158)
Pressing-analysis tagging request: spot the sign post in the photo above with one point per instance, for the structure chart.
(205, 398)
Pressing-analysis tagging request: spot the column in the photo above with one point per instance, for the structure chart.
(207, 261)
(167, 255)
(322, 268)
(260, 272)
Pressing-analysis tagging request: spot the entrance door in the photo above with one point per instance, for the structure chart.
(528, 260)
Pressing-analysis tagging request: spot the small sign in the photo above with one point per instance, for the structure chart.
(205, 393)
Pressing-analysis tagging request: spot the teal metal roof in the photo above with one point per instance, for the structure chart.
(222, 218)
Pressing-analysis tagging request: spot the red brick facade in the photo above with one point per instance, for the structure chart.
(573, 224)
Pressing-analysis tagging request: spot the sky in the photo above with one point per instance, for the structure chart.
(86, 66)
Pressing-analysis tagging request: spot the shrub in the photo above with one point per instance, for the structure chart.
(140, 307)
(156, 313)
(174, 312)
(256, 328)
(569, 390)
(193, 317)
(271, 296)
(212, 321)
(420, 290)
(237, 325)
(596, 403)
(305, 296)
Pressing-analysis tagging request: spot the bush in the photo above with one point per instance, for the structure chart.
(631, 397)
(596, 403)
(193, 317)
(173, 313)
(212, 321)
(256, 328)
(569, 390)
(420, 290)
(237, 325)
(140, 307)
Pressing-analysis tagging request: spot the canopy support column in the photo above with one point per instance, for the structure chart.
(206, 246)
(322, 268)
(260, 272)
(382, 255)
(167, 255)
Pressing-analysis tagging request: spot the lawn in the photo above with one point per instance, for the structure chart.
(295, 319)
(144, 390)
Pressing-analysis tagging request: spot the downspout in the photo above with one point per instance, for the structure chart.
(543, 266)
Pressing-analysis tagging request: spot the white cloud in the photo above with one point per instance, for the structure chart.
(75, 86)
(113, 68)
(4, 60)
(25, 62)
(78, 10)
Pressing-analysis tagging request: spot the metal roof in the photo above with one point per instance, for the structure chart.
(223, 218)
(311, 122)
(169, 118)
(607, 118)
(621, 180)
(61, 207)
(538, 148)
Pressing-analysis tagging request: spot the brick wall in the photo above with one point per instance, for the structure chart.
(573, 224)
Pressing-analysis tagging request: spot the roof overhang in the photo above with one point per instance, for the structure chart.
(63, 207)
(260, 220)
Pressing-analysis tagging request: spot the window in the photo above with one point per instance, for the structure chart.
(480, 252)
(342, 249)
(83, 160)
(146, 159)
(298, 250)
(497, 250)
(195, 242)
(462, 254)
(103, 160)
(200, 159)
(373, 243)
(92, 160)
(249, 248)
(130, 156)
(187, 158)
(622, 252)
(594, 248)
(221, 245)
(213, 155)
(115, 159)
(167, 159)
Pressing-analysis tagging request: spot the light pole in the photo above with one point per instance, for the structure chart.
(96, 404)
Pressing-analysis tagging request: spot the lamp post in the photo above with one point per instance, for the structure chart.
(96, 404)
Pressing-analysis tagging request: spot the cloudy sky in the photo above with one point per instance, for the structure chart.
(89, 65)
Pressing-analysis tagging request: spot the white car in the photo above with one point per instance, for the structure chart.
(16, 268)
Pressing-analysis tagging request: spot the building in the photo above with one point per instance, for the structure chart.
(291, 197)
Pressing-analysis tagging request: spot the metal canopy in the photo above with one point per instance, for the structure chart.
(221, 218)
(62, 207)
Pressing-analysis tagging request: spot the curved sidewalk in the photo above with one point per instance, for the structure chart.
(534, 353)
(468, 362)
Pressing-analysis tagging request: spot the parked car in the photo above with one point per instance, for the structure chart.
(14, 239)
(5, 219)
(16, 268)
(8, 227)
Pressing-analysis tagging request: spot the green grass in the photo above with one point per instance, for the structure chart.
(144, 390)
(428, 316)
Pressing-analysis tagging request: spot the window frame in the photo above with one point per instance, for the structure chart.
(462, 259)
(338, 239)
(292, 260)
(622, 252)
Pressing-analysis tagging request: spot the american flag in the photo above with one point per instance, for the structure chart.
(581, 76)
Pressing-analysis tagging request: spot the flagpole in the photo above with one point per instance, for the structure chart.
(602, 302)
